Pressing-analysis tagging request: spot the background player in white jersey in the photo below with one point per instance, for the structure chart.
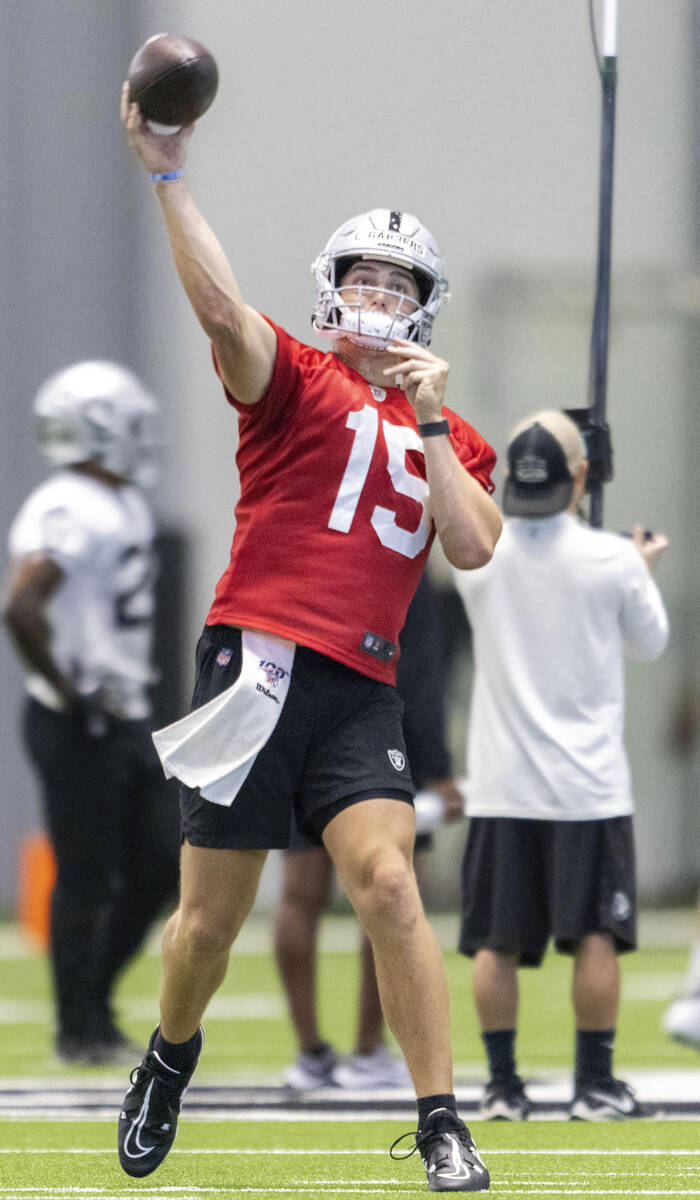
(550, 846)
(345, 477)
(80, 610)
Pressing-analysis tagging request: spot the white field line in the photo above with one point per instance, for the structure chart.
(250, 1006)
(243, 1006)
(534, 1189)
(341, 1190)
(325, 1152)
(272, 1116)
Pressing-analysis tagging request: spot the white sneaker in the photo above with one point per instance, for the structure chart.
(377, 1070)
(682, 1020)
(312, 1070)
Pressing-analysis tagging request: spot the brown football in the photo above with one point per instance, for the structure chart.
(173, 80)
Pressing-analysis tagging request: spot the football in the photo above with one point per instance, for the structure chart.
(173, 80)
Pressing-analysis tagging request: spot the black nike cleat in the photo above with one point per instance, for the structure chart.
(451, 1160)
(148, 1117)
(608, 1100)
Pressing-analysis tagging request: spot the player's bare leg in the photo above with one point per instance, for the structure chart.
(306, 889)
(371, 1064)
(371, 844)
(370, 1018)
(307, 876)
(217, 891)
(495, 984)
(596, 983)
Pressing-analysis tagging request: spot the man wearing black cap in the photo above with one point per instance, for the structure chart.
(550, 847)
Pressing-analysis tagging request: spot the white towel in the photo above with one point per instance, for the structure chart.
(214, 747)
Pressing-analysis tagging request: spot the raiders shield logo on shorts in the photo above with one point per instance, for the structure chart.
(397, 759)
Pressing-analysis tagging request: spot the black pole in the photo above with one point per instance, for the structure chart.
(598, 378)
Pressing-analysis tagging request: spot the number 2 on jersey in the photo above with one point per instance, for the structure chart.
(399, 439)
(134, 602)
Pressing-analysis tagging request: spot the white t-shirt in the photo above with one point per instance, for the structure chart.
(101, 615)
(553, 615)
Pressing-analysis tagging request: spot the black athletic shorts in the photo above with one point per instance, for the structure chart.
(338, 740)
(524, 881)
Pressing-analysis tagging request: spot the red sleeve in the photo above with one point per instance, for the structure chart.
(473, 451)
(284, 381)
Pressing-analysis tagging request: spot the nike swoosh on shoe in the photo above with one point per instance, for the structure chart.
(623, 1103)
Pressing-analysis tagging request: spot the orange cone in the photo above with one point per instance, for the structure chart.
(37, 875)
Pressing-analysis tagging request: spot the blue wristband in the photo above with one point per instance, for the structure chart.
(168, 175)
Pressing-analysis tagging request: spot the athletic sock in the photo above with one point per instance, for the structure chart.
(594, 1054)
(428, 1104)
(178, 1056)
(318, 1051)
(500, 1049)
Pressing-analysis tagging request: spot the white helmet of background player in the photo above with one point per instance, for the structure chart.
(391, 236)
(97, 412)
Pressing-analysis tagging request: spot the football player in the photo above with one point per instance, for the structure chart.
(348, 464)
(80, 611)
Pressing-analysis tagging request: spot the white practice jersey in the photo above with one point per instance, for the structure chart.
(101, 616)
(553, 615)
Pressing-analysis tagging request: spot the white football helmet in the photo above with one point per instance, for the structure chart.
(391, 236)
(97, 412)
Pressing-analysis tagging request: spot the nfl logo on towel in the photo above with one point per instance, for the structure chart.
(224, 657)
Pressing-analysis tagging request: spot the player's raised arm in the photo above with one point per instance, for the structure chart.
(244, 342)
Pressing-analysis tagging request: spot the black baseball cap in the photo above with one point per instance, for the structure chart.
(539, 481)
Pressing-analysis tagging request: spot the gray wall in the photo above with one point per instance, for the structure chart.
(69, 254)
(480, 115)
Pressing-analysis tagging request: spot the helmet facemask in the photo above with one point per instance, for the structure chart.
(387, 237)
(368, 326)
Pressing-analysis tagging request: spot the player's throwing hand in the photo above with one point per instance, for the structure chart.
(159, 154)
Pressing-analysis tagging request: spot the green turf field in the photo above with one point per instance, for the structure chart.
(228, 1158)
(249, 1040)
(248, 1032)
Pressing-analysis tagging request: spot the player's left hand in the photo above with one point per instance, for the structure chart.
(421, 375)
(452, 799)
(649, 545)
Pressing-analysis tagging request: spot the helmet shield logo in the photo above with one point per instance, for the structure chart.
(397, 759)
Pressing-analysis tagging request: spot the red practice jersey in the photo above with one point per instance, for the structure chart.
(333, 524)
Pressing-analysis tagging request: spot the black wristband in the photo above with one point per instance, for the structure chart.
(434, 428)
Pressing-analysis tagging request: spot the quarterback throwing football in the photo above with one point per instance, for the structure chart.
(349, 464)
